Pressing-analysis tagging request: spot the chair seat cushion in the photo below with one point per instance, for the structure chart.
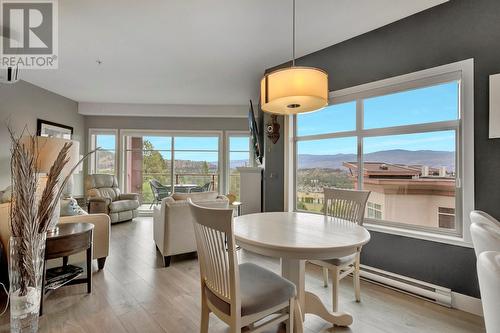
(123, 205)
(341, 261)
(260, 290)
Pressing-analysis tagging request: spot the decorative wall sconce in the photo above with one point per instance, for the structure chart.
(273, 129)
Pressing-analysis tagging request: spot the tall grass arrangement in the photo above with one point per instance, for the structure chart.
(30, 215)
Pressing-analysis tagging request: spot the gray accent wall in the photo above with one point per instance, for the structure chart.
(274, 170)
(20, 106)
(454, 31)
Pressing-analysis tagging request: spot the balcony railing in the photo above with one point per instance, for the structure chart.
(199, 179)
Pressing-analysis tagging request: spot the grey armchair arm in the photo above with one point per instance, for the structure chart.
(99, 205)
(129, 196)
(222, 197)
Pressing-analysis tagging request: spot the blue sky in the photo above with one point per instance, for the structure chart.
(432, 104)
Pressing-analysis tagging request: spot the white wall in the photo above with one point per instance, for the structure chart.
(20, 105)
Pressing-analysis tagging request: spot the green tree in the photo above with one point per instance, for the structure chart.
(153, 161)
(154, 166)
(204, 168)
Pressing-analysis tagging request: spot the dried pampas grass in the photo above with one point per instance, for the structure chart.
(30, 217)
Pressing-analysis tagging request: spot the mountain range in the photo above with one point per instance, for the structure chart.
(431, 158)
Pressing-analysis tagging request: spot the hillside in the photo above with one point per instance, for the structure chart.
(430, 158)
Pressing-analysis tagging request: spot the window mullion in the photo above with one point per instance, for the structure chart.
(359, 130)
(172, 162)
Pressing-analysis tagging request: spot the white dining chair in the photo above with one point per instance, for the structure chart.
(485, 232)
(478, 216)
(488, 271)
(238, 294)
(348, 205)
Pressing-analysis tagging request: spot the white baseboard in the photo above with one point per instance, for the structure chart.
(466, 303)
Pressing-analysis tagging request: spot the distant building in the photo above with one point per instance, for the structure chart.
(412, 194)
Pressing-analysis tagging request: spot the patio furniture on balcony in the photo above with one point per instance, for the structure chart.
(205, 188)
(159, 191)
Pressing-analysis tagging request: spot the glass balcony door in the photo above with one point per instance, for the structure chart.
(156, 165)
(147, 158)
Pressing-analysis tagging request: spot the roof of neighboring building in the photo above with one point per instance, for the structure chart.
(383, 170)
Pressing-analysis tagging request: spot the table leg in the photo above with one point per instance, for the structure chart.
(89, 270)
(294, 270)
(42, 294)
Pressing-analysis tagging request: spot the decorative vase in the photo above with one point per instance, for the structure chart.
(25, 275)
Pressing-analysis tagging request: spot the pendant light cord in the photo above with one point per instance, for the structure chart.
(293, 34)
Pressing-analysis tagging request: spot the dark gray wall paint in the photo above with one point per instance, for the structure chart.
(454, 31)
(273, 162)
(442, 264)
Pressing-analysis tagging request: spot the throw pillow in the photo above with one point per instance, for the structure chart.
(69, 207)
(6, 195)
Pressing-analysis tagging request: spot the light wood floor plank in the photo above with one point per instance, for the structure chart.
(135, 293)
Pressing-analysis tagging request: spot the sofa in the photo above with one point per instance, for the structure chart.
(173, 230)
(104, 196)
(102, 230)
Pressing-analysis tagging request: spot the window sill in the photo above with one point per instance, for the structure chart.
(424, 235)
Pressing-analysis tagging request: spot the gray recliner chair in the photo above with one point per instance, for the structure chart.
(104, 196)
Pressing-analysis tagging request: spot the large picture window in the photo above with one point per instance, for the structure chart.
(401, 142)
(176, 162)
(239, 155)
(104, 161)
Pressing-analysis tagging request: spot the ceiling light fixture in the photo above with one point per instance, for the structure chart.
(296, 89)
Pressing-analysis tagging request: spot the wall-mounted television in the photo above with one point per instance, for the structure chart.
(254, 134)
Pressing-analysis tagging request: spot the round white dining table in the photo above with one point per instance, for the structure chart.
(296, 237)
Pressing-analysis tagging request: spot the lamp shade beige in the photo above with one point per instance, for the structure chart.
(294, 90)
(49, 148)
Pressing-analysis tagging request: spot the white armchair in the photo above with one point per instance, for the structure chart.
(173, 230)
(485, 232)
(488, 271)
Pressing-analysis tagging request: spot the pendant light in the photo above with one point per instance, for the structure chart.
(296, 89)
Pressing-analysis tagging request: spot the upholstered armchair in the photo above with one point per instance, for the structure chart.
(104, 196)
(173, 230)
(100, 245)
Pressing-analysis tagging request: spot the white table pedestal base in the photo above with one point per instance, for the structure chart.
(294, 270)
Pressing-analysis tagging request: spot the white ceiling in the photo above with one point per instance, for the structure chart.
(196, 51)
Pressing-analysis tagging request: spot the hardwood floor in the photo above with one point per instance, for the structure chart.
(135, 293)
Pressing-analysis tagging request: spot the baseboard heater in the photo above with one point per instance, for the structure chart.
(428, 291)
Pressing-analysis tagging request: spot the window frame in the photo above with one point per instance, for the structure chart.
(92, 144)
(372, 207)
(439, 214)
(461, 71)
(173, 133)
(227, 154)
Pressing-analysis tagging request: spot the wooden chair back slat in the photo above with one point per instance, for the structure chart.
(345, 204)
(216, 250)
